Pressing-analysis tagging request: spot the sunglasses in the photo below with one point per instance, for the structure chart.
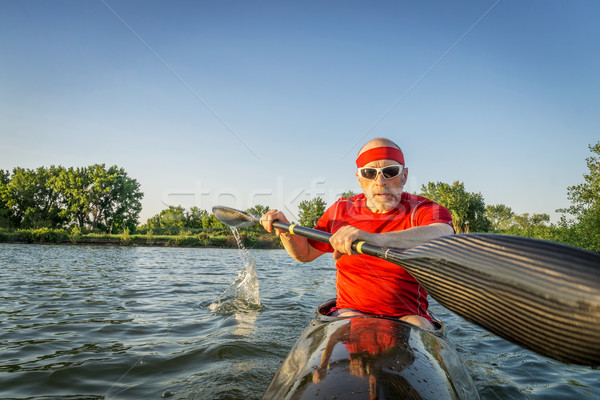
(389, 172)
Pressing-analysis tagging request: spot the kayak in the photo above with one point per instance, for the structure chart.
(370, 357)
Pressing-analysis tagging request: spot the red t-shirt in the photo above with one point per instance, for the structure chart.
(369, 284)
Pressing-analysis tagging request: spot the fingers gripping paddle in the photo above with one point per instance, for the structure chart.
(540, 295)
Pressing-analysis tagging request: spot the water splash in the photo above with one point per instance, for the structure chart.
(243, 293)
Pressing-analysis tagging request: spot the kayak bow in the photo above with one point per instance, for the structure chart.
(370, 357)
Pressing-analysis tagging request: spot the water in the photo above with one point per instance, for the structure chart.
(80, 322)
(243, 294)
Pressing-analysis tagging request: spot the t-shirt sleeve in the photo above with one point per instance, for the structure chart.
(323, 225)
(431, 213)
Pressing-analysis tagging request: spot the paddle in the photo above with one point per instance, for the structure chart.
(541, 295)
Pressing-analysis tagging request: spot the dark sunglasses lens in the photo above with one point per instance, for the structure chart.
(368, 173)
(390, 172)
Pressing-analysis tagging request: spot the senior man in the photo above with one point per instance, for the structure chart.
(383, 215)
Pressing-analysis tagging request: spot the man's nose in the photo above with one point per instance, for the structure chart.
(380, 180)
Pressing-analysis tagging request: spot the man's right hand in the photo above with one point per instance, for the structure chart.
(296, 246)
(271, 216)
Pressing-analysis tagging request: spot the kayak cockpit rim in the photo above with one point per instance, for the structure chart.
(322, 311)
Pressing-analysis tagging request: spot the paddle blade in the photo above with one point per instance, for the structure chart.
(234, 218)
(538, 294)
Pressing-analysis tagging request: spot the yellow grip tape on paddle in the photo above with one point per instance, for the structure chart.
(291, 228)
(359, 247)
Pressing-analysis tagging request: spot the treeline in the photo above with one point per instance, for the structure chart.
(93, 198)
(176, 220)
(106, 200)
(470, 214)
(579, 225)
(199, 227)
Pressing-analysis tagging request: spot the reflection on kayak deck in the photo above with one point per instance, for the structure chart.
(370, 358)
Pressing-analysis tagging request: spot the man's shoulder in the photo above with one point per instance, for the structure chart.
(415, 199)
(351, 200)
(345, 205)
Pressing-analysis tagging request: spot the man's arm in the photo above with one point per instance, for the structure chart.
(297, 246)
(342, 240)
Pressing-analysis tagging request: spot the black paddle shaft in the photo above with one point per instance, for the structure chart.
(320, 236)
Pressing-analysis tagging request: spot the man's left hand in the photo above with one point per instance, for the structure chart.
(342, 240)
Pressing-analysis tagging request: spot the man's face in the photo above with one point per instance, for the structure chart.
(382, 194)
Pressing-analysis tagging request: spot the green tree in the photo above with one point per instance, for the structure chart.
(33, 199)
(56, 197)
(175, 218)
(467, 209)
(6, 217)
(73, 184)
(348, 194)
(172, 217)
(311, 211)
(99, 198)
(585, 206)
(500, 216)
(525, 221)
(258, 210)
(212, 223)
(194, 218)
(152, 223)
(115, 199)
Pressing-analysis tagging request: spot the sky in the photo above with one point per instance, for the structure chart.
(240, 103)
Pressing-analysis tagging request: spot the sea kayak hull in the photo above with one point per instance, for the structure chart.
(370, 358)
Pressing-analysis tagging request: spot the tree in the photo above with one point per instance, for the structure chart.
(33, 199)
(172, 217)
(258, 210)
(124, 207)
(500, 216)
(99, 198)
(57, 197)
(212, 223)
(115, 199)
(585, 205)
(467, 209)
(194, 218)
(311, 211)
(176, 218)
(348, 194)
(526, 221)
(73, 184)
(6, 217)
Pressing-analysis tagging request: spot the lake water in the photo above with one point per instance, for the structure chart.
(79, 322)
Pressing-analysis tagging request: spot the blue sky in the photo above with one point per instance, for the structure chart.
(240, 102)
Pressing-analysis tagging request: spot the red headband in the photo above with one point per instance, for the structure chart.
(380, 153)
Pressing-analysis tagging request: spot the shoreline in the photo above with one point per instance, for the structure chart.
(196, 241)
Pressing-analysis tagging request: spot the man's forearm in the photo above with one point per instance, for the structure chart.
(299, 248)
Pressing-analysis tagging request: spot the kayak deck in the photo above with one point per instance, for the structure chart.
(370, 358)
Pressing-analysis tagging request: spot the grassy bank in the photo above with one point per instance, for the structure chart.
(221, 238)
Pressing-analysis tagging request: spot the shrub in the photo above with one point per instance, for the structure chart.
(125, 237)
(75, 234)
(42, 235)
